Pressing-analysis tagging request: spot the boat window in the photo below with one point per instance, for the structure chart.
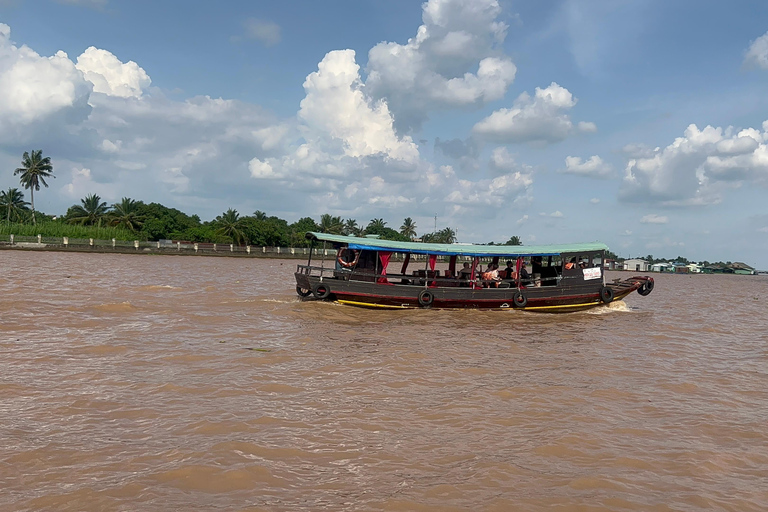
(551, 267)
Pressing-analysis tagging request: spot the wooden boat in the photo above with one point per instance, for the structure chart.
(372, 272)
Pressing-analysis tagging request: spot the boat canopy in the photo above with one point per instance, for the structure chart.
(377, 244)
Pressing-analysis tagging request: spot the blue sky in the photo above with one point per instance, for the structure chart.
(641, 124)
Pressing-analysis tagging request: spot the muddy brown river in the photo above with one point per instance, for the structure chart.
(163, 383)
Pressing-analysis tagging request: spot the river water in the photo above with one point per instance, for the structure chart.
(160, 383)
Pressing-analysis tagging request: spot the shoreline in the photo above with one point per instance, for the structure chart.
(154, 250)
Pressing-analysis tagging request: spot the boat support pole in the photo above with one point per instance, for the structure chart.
(322, 263)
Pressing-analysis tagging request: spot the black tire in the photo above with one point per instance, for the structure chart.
(426, 298)
(303, 292)
(321, 291)
(519, 299)
(606, 294)
(646, 288)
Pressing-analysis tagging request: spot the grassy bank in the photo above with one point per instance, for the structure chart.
(60, 229)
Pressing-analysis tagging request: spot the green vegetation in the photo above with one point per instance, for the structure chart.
(131, 219)
(13, 205)
(58, 229)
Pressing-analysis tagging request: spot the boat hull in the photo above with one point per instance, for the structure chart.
(550, 299)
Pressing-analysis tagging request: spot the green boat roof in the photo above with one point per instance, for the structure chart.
(377, 244)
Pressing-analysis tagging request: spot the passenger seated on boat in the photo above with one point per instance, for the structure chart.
(465, 272)
(491, 277)
(582, 264)
(509, 271)
(571, 264)
(525, 278)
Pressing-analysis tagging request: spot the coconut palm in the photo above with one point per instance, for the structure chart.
(376, 225)
(351, 228)
(12, 203)
(230, 225)
(408, 229)
(330, 224)
(91, 212)
(444, 236)
(34, 169)
(125, 215)
(259, 215)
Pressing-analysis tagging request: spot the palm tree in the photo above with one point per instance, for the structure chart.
(408, 229)
(376, 225)
(444, 236)
(13, 203)
(92, 211)
(34, 169)
(351, 228)
(125, 214)
(230, 225)
(259, 215)
(514, 240)
(330, 224)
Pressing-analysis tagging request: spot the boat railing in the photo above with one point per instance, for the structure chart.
(433, 278)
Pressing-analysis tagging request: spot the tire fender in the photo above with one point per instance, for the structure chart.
(303, 292)
(646, 288)
(606, 294)
(519, 299)
(321, 291)
(426, 298)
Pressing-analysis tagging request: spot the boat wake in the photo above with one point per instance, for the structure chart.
(618, 306)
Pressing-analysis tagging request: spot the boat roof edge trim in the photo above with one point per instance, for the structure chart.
(456, 249)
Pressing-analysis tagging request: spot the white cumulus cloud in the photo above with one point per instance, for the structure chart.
(594, 167)
(35, 89)
(693, 169)
(757, 54)
(454, 60)
(336, 105)
(110, 76)
(541, 118)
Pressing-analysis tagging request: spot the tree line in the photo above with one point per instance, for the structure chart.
(154, 221)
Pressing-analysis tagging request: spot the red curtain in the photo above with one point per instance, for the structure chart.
(518, 266)
(452, 265)
(432, 261)
(384, 257)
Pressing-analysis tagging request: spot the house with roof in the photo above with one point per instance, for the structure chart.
(742, 268)
(636, 265)
(662, 267)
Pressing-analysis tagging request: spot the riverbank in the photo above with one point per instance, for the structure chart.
(113, 246)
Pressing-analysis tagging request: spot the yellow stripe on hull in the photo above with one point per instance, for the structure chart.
(371, 305)
(563, 306)
(584, 305)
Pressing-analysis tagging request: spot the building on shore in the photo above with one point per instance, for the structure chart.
(636, 265)
(742, 268)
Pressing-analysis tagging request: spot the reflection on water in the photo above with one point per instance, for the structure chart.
(170, 383)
